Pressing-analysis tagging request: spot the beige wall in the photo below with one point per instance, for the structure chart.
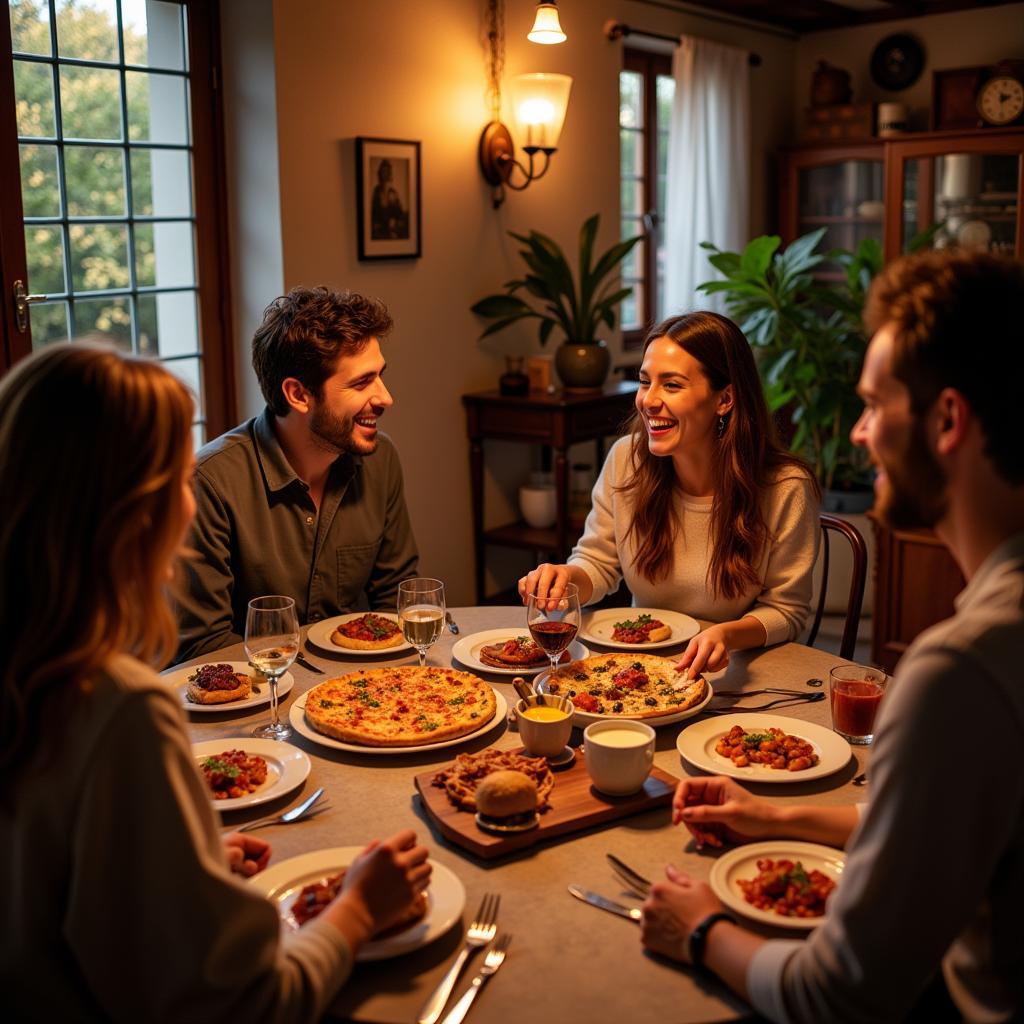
(960, 39)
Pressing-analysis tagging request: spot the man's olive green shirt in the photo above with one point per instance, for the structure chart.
(257, 532)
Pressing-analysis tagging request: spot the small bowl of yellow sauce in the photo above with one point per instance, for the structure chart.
(545, 724)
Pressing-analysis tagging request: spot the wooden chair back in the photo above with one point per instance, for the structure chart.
(855, 599)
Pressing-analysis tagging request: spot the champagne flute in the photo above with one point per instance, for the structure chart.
(421, 613)
(554, 622)
(272, 641)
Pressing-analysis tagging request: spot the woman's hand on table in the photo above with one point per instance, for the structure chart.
(716, 808)
(549, 581)
(246, 854)
(708, 651)
(672, 910)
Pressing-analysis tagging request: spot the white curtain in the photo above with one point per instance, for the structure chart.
(708, 189)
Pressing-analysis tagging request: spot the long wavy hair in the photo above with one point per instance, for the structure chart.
(93, 450)
(748, 458)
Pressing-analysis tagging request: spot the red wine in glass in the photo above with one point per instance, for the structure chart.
(554, 622)
(554, 637)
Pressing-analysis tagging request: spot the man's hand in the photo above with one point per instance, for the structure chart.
(246, 854)
(672, 910)
(717, 808)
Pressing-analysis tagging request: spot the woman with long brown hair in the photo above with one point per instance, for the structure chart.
(120, 901)
(700, 508)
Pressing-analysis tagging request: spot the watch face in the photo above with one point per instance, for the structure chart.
(1001, 100)
(897, 61)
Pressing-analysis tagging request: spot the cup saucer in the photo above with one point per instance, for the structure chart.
(566, 757)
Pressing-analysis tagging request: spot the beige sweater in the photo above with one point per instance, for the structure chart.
(119, 904)
(781, 602)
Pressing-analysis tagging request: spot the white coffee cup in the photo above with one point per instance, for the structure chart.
(540, 738)
(618, 755)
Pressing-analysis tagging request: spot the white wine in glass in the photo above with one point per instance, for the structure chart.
(272, 642)
(421, 613)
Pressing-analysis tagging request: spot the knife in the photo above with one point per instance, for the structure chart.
(451, 623)
(307, 664)
(596, 900)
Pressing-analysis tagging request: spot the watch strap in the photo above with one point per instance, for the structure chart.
(699, 936)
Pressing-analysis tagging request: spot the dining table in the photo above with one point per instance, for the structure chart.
(567, 961)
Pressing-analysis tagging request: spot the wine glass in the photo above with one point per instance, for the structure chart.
(421, 613)
(272, 641)
(554, 622)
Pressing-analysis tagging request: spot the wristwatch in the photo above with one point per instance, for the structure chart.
(699, 936)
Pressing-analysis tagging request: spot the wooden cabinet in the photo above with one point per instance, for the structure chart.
(559, 420)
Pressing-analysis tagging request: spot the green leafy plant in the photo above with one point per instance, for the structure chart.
(809, 338)
(578, 308)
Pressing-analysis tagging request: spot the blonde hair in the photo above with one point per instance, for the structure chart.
(93, 450)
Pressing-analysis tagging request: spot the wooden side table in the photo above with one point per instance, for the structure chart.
(559, 420)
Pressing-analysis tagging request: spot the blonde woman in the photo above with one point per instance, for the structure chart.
(120, 898)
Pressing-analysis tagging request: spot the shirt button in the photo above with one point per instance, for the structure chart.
(310, 520)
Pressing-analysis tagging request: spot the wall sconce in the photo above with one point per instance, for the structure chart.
(539, 103)
(546, 28)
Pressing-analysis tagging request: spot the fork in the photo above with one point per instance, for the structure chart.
(633, 879)
(804, 698)
(481, 930)
(494, 959)
(304, 810)
(758, 693)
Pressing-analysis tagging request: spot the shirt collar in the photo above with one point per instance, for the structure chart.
(277, 470)
(1007, 555)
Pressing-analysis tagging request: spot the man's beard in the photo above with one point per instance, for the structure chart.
(914, 495)
(337, 433)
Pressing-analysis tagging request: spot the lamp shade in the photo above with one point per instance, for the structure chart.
(539, 102)
(546, 28)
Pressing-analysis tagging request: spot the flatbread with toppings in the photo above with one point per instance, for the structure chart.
(369, 632)
(400, 706)
(644, 629)
(217, 684)
(630, 685)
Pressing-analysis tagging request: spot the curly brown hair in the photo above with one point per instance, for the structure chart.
(304, 333)
(958, 318)
(748, 459)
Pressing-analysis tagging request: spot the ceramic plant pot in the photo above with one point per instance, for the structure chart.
(583, 367)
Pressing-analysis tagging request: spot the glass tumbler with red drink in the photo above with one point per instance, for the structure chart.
(554, 621)
(855, 693)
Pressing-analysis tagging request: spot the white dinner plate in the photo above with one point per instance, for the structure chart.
(319, 635)
(446, 898)
(598, 626)
(287, 768)
(582, 719)
(696, 744)
(741, 863)
(467, 652)
(297, 715)
(178, 678)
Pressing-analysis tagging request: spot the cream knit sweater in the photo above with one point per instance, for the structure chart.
(781, 602)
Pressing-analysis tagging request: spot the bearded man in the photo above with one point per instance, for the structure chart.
(306, 499)
(934, 877)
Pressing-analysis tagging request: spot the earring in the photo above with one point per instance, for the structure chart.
(721, 426)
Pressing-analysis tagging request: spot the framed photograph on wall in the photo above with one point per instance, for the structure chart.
(388, 198)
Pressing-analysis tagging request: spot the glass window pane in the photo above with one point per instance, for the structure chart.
(631, 99)
(167, 324)
(49, 322)
(153, 34)
(161, 182)
(109, 317)
(156, 108)
(44, 253)
(163, 254)
(99, 257)
(631, 196)
(87, 31)
(631, 163)
(95, 181)
(631, 263)
(40, 195)
(666, 90)
(187, 371)
(30, 27)
(33, 93)
(628, 312)
(90, 103)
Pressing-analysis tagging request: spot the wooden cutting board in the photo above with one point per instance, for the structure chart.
(575, 805)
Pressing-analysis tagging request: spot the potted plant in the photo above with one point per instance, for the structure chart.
(576, 307)
(811, 343)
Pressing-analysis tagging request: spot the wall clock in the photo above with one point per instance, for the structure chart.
(1001, 100)
(897, 62)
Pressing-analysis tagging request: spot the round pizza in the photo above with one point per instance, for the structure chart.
(630, 685)
(400, 706)
(369, 632)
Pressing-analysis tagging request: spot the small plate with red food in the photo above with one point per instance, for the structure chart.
(638, 629)
(781, 882)
(760, 747)
(243, 771)
(359, 633)
(238, 681)
(509, 653)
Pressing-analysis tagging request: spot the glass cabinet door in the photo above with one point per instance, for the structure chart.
(845, 198)
(963, 199)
